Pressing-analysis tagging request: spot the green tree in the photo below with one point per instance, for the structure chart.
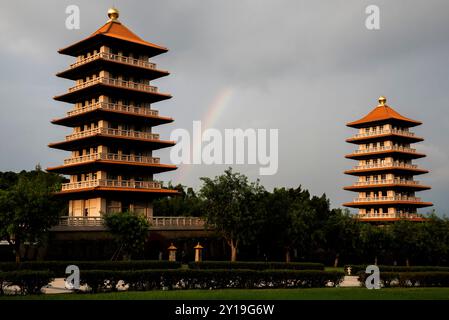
(375, 241)
(231, 206)
(187, 203)
(28, 207)
(405, 236)
(342, 233)
(129, 230)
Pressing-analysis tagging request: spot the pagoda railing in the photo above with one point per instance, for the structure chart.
(385, 148)
(385, 131)
(116, 83)
(113, 107)
(395, 198)
(73, 221)
(112, 132)
(112, 157)
(117, 58)
(159, 222)
(386, 181)
(177, 222)
(111, 183)
(386, 165)
(387, 215)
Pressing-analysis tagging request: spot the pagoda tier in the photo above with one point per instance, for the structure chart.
(386, 188)
(112, 112)
(111, 165)
(134, 67)
(104, 83)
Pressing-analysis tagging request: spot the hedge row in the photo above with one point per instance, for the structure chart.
(58, 267)
(355, 269)
(256, 265)
(411, 279)
(143, 280)
(29, 282)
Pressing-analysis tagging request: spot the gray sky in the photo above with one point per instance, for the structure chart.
(304, 67)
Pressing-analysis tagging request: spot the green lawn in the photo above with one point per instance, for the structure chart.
(261, 294)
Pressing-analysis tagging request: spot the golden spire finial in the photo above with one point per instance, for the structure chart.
(382, 100)
(113, 14)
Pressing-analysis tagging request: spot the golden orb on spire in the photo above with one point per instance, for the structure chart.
(382, 100)
(113, 14)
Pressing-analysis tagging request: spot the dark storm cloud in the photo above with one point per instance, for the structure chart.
(305, 67)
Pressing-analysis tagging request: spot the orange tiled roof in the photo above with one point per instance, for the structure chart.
(117, 30)
(381, 113)
(113, 29)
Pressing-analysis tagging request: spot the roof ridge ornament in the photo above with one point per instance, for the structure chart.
(382, 101)
(113, 14)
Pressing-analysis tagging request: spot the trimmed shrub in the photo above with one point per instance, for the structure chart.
(411, 279)
(58, 267)
(256, 265)
(29, 282)
(355, 269)
(142, 280)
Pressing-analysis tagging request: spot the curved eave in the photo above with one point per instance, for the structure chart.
(115, 91)
(362, 172)
(382, 137)
(405, 154)
(115, 191)
(416, 204)
(105, 114)
(99, 39)
(402, 122)
(98, 64)
(388, 186)
(122, 166)
(98, 139)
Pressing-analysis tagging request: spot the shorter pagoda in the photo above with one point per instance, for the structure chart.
(385, 185)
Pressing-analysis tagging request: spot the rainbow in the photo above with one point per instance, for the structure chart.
(221, 100)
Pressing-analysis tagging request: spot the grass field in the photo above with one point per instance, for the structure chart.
(259, 294)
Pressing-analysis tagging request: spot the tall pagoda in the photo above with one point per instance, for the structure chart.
(385, 170)
(111, 163)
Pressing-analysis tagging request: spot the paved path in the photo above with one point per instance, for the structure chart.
(56, 286)
(350, 281)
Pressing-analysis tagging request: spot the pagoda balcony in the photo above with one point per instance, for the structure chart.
(368, 153)
(76, 223)
(387, 181)
(116, 58)
(115, 83)
(404, 135)
(383, 199)
(384, 131)
(386, 215)
(107, 61)
(120, 184)
(112, 157)
(385, 148)
(113, 107)
(112, 112)
(112, 87)
(112, 132)
(393, 216)
(386, 165)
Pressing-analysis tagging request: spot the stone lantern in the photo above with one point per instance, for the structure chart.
(172, 253)
(198, 249)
